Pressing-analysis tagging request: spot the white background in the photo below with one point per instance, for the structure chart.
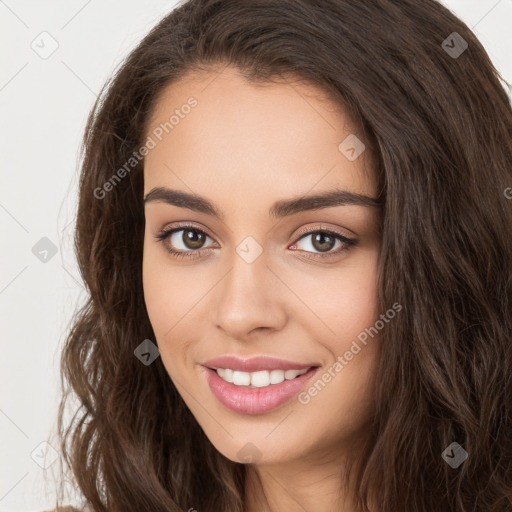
(45, 103)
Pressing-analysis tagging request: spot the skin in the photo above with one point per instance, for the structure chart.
(244, 147)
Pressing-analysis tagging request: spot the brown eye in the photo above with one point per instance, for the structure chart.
(186, 239)
(184, 242)
(192, 238)
(321, 243)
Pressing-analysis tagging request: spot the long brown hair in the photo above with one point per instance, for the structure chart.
(441, 123)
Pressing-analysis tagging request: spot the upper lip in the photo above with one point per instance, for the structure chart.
(254, 364)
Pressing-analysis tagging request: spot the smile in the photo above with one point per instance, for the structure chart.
(259, 379)
(256, 385)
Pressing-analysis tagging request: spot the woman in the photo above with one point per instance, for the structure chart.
(294, 228)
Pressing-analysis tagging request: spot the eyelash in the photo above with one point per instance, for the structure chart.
(194, 254)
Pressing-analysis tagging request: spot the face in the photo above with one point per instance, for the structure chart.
(258, 296)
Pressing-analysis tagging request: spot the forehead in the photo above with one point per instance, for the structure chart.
(258, 138)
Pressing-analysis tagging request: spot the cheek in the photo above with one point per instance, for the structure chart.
(356, 345)
(162, 305)
(357, 302)
(169, 291)
(155, 297)
(345, 302)
(172, 294)
(163, 295)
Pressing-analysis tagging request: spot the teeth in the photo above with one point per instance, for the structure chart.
(241, 378)
(260, 379)
(276, 376)
(291, 374)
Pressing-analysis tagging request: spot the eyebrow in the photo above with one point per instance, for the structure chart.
(279, 209)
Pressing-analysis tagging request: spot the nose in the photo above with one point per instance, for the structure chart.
(250, 297)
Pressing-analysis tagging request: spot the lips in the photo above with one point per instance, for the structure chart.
(255, 400)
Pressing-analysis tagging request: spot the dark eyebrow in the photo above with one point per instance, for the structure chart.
(281, 208)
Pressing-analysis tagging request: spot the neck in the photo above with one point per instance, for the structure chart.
(315, 484)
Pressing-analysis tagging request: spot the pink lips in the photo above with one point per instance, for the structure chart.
(246, 400)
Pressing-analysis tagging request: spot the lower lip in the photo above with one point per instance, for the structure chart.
(245, 400)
